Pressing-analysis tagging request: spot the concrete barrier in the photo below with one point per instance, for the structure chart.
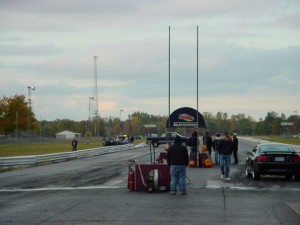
(34, 160)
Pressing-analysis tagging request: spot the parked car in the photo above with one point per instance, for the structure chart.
(138, 137)
(273, 159)
(108, 141)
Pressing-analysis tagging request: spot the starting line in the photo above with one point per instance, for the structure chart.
(211, 184)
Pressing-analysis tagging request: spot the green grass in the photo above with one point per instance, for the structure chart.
(26, 149)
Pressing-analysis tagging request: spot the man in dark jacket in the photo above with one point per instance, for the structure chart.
(225, 151)
(207, 140)
(193, 143)
(235, 142)
(178, 160)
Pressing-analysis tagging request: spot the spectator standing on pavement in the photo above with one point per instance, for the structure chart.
(74, 144)
(216, 148)
(225, 151)
(207, 140)
(235, 143)
(178, 159)
(193, 143)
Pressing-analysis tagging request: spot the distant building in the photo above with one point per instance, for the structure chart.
(65, 135)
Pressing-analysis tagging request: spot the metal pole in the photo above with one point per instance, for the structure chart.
(96, 96)
(29, 108)
(169, 125)
(121, 130)
(197, 84)
(90, 98)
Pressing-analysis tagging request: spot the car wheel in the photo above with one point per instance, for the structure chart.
(297, 177)
(155, 144)
(247, 173)
(255, 175)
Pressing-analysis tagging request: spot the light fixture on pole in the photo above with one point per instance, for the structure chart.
(121, 110)
(30, 88)
(90, 99)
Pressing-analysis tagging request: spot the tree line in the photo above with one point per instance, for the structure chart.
(18, 120)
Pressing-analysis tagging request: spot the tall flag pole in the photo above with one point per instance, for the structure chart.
(197, 85)
(169, 125)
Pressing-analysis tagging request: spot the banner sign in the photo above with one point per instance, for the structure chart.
(186, 117)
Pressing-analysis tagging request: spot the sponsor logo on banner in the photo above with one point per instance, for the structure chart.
(186, 117)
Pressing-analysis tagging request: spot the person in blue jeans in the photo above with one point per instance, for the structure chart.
(216, 148)
(225, 151)
(193, 142)
(178, 160)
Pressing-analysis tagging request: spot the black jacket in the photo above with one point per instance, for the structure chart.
(193, 141)
(225, 147)
(207, 140)
(235, 142)
(178, 155)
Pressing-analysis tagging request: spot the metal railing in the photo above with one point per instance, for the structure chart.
(19, 161)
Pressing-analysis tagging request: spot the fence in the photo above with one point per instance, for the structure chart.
(18, 161)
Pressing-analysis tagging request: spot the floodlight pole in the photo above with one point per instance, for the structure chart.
(90, 98)
(169, 125)
(197, 86)
(29, 108)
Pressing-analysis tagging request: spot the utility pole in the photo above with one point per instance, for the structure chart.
(95, 96)
(90, 99)
(30, 88)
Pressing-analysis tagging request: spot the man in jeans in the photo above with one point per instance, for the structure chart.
(225, 151)
(178, 160)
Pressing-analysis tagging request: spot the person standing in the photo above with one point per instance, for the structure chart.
(225, 151)
(74, 144)
(207, 140)
(193, 143)
(235, 143)
(216, 148)
(178, 159)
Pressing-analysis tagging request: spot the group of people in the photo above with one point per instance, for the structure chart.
(214, 144)
(178, 157)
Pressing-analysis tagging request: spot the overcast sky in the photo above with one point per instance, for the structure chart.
(249, 54)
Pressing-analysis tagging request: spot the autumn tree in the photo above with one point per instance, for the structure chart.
(14, 114)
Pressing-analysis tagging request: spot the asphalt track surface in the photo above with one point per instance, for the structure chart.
(94, 191)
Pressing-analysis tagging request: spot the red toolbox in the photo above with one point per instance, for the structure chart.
(152, 177)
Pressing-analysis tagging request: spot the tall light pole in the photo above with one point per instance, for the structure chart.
(30, 88)
(121, 110)
(95, 95)
(90, 99)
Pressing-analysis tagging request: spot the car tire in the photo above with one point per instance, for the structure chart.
(297, 177)
(155, 144)
(255, 175)
(247, 173)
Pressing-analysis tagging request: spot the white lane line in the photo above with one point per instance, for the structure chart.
(60, 188)
(216, 184)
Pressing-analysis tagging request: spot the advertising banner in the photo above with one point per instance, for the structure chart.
(185, 117)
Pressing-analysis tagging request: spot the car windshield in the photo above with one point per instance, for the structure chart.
(275, 148)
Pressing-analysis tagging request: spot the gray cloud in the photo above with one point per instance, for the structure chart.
(248, 52)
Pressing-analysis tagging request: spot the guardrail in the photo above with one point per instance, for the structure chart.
(18, 161)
